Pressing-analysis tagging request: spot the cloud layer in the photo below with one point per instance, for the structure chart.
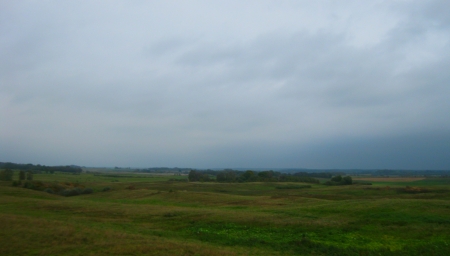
(226, 84)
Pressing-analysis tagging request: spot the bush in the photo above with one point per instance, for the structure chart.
(106, 189)
(49, 190)
(293, 187)
(71, 192)
(29, 185)
(178, 180)
(87, 191)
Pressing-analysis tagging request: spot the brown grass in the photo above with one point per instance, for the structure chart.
(389, 179)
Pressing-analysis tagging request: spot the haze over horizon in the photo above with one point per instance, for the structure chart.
(208, 84)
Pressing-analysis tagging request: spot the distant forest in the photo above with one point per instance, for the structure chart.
(226, 174)
(41, 168)
(252, 176)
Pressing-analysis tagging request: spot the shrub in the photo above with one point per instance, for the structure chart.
(178, 180)
(106, 189)
(293, 187)
(414, 190)
(29, 185)
(63, 192)
(87, 191)
(49, 190)
(70, 192)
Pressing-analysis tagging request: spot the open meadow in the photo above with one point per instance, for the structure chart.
(141, 214)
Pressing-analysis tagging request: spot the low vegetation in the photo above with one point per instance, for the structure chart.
(339, 180)
(231, 176)
(143, 214)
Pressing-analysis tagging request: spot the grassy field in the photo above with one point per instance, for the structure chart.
(165, 215)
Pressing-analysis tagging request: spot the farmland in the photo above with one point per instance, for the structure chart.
(138, 214)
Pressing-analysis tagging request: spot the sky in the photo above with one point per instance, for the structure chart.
(226, 84)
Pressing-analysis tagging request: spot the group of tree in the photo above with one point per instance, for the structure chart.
(327, 175)
(41, 168)
(230, 176)
(198, 176)
(339, 180)
(8, 175)
(25, 175)
(164, 170)
(411, 173)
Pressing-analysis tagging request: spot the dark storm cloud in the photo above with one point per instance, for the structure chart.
(304, 84)
(371, 153)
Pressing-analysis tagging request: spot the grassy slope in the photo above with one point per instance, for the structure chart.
(180, 218)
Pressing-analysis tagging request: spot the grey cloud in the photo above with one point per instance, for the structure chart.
(132, 84)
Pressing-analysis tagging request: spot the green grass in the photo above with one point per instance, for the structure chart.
(162, 217)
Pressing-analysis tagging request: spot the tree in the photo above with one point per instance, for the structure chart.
(248, 176)
(221, 177)
(29, 175)
(226, 176)
(6, 174)
(266, 174)
(347, 180)
(337, 178)
(21, 175)
(193, 175)
(197, 176)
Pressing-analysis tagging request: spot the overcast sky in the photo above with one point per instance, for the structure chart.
(209, 84)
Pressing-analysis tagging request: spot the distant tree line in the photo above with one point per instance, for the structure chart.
(163, 170)
(198, 176)
(230, 176)
(326, 175)
(409, 173)
(41, 168)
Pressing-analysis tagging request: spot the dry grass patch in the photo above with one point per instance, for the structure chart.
(389, 179)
